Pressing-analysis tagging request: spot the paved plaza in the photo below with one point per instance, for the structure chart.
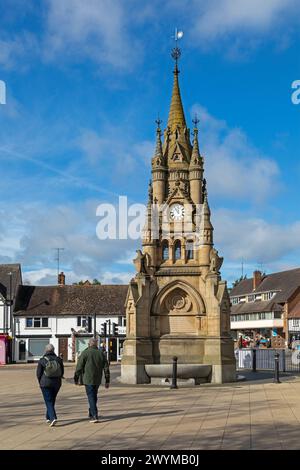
(247, 415)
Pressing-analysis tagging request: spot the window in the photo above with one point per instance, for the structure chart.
(251, 298)
(29, 322)
(177, 250)
(36, 347)
(37, 322)
(235, 300)
(277, 314)
(85, 322)
(190, 250)
(165, 251)
(269, 295)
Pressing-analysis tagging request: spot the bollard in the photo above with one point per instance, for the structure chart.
(254, 360)
(174, 374)
(276, 369)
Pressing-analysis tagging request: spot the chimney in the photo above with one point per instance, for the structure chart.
(61, 279)
(257, 278)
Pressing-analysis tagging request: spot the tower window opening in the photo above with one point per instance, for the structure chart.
(177, 250)
(190, 250)
(165, 251)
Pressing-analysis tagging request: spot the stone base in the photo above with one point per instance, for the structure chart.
(180, 382)
(193, 374)
(223, 373)
(134, 374)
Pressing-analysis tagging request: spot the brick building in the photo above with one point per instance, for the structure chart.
(267, 306)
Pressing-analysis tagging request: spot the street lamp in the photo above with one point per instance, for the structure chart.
(10, 322)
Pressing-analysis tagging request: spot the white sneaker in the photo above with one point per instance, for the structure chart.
(53, 423)
(48, 421)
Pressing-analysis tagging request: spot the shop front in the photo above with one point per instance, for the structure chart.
(30, 349)
(5, 349)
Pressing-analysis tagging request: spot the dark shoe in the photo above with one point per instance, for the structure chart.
(94, 420)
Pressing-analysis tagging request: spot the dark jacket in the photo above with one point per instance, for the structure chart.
(48, 382)
(91, 364)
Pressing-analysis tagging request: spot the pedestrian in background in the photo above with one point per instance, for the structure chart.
(50, 371)
(91, 365)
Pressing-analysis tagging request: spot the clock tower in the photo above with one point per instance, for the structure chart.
(177, 304)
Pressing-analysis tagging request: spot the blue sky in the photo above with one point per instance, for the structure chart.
(85, 81)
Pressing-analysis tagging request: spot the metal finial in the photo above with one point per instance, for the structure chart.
(176, 53)
(196, 121)
(158, 122)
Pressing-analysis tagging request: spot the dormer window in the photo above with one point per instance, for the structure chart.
(269, 295)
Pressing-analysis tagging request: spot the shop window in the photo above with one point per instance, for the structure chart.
(36, 347)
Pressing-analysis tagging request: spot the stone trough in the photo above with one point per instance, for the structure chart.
(194, 374)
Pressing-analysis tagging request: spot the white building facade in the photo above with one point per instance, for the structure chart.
(67, 317)
(10, 279)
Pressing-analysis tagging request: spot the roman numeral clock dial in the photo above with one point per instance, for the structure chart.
(176, 212)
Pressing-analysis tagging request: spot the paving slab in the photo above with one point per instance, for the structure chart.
(248, 415)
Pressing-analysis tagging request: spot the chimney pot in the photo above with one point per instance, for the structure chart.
(61, 279)
(257, 278)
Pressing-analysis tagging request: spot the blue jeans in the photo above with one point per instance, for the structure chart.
(92, 391)
(50, 395)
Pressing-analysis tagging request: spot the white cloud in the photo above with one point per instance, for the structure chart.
(253, 239)
(96, 29)
(234, 167)
(122, 156)
(221, 17)
(47, 276)
(15, 50)
(33, 233)
(237, 27)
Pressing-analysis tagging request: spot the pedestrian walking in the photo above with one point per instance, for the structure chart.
(50, 371)
(91, 365)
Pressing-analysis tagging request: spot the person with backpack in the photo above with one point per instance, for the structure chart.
(50, 371)
(91, 364)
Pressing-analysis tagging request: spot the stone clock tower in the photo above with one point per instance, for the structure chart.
(177, 304)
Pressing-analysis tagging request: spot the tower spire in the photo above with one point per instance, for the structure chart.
(158, 148)
(176, 113)
(195, 153)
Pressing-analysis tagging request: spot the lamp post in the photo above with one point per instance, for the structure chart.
(9, 324)
(95, 330)
(276, 371)
(174, 374)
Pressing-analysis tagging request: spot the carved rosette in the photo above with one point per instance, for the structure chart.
(178, 301)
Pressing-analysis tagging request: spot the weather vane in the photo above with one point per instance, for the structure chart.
(196, 121)
(176, 52)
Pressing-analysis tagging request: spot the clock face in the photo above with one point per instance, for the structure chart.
(177, 212)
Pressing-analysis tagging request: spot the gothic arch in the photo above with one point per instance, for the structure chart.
(169, 297)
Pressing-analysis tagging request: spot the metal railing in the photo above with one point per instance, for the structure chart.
(264, 359)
